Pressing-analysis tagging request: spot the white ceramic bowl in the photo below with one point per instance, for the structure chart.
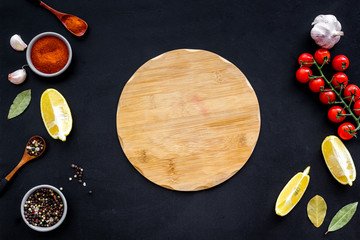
(28, 54)
(44, 229)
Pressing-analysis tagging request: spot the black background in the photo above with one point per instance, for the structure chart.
(262, 38)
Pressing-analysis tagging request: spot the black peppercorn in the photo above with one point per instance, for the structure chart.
(35, 147)
(41, 206)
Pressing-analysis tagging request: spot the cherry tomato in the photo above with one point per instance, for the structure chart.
(346, 131)
(302, 74)
(335, 113)
(305, 57)
(340, 80)
(357, 107)
(321, 56)
(316, 85)
(340, 63)
(327, 96)
(352, 92)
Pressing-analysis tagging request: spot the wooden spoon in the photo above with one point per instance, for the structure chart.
(75, 25)
(26, 158)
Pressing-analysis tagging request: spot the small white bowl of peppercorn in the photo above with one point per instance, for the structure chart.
(48, 54)
(43, 208)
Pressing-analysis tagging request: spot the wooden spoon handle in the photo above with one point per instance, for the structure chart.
(56, 13)
(11, 174)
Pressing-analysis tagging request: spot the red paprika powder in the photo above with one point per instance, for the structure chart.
(74, 24)
(49, 54)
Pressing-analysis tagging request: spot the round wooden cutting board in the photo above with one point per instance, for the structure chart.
(188, 120)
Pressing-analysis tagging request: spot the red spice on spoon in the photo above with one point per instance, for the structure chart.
(74, 24)
(49, 54)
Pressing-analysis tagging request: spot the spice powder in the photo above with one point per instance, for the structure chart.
(74, 24)
(49, 54)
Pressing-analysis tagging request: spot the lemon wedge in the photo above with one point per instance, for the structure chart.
(338, 160)
(292, 192)
(56, 114)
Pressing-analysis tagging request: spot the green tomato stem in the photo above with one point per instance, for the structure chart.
(338, 94)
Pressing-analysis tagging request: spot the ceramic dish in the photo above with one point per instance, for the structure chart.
(44, 229)
(31, 44)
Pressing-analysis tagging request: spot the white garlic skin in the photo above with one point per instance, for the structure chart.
(17, 77)
(17, 43)
(326, 31)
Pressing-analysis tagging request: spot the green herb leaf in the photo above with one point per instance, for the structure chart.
(316, 210)
(21, 102)
(342, 217)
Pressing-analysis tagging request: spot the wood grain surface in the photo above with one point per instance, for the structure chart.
(188, 120)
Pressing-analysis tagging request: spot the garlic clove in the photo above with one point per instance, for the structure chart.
(324, 36)
(326, 31)
(325, 19)
(17, 43)
(337, 26)
(17, 77)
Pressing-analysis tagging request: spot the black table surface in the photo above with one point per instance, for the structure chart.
(262, 38)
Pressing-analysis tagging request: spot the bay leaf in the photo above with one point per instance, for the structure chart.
(316, 210)
(20, 103)
(342, 217)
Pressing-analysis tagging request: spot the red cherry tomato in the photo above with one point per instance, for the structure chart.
(316, 85)
(303, 73)
(346, 131)
(321, 56)
(340, 80)
(327, 96)
(335, 114)
(352, 92)
(357, 107)
(340, 63)
(305, 59)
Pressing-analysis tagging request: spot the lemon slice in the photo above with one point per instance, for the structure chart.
(338, 160)
(56, 114)
(292, 192)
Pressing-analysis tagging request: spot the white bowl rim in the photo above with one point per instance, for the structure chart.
(28, 54)
(43, 229)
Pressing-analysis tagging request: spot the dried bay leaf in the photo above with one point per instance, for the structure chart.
(20, 103)
(342, 217)
(316, 210)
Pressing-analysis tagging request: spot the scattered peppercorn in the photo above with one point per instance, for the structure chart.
(43, 208)
(79, 172)
(90, 192)
(35, 147)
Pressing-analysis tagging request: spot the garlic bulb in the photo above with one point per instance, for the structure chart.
(17, 43)
(18, 76)
(326, 31)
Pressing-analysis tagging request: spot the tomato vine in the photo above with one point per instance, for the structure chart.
(345, 95)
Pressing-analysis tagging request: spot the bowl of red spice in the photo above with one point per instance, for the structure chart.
(43, 208)
(48, 54)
